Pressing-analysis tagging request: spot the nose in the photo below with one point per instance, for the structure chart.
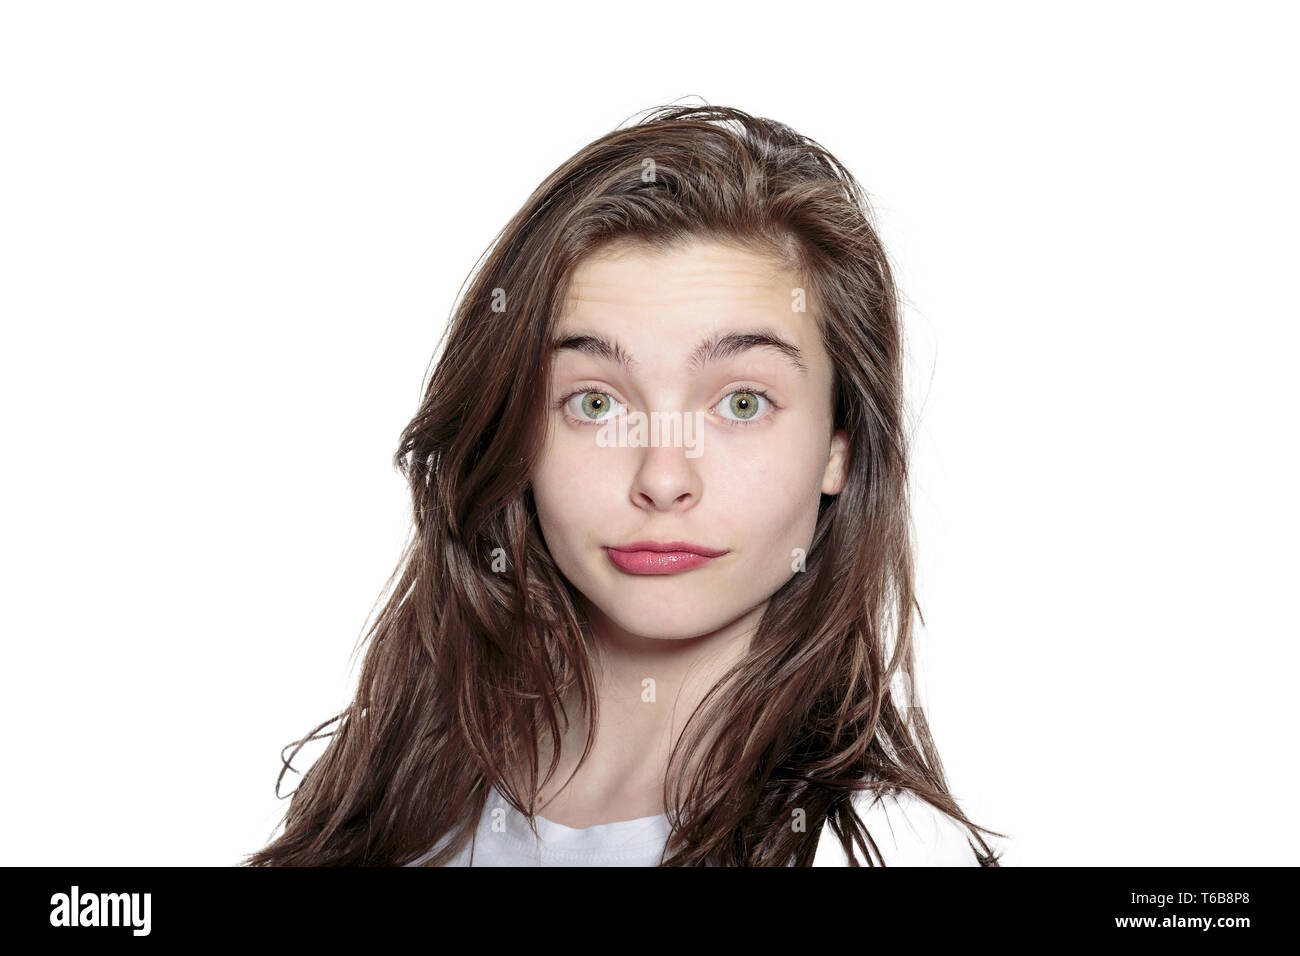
(667, 479)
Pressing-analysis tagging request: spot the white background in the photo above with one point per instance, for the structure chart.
(230, 235)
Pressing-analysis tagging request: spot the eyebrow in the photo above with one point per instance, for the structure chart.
(712, 349)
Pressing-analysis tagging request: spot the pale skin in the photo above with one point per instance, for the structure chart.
(753, 491)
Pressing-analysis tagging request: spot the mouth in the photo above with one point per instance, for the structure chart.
(660, 557)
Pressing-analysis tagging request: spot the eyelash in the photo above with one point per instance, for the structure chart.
(747, 389)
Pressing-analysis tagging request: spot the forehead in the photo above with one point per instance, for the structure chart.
(695, 282)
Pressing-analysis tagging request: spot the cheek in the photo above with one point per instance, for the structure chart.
(567, 489)
(779, 477)
(551, 482)
(773, 496)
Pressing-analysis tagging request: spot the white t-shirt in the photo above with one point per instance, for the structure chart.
(907, 830)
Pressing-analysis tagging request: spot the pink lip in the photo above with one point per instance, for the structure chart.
(661, 557)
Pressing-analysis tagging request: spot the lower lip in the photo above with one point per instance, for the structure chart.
(656, 562)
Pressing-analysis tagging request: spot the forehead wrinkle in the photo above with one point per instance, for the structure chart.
(703, 274)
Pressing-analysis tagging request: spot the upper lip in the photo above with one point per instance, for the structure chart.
(668, 546)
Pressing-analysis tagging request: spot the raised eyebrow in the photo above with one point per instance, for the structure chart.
(712, 349)
(731, 343)
(596, 346)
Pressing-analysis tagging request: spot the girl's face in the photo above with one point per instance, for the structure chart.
(718, 337)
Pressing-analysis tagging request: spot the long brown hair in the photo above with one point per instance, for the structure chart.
(467, 661)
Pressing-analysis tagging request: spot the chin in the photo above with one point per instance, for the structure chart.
(659, 617)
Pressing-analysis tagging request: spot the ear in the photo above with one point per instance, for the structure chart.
(837, 468)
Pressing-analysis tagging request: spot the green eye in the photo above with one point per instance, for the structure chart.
(595, 404)
(747, 405)
(744, 405)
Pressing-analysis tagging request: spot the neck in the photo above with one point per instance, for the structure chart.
(646, 690)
